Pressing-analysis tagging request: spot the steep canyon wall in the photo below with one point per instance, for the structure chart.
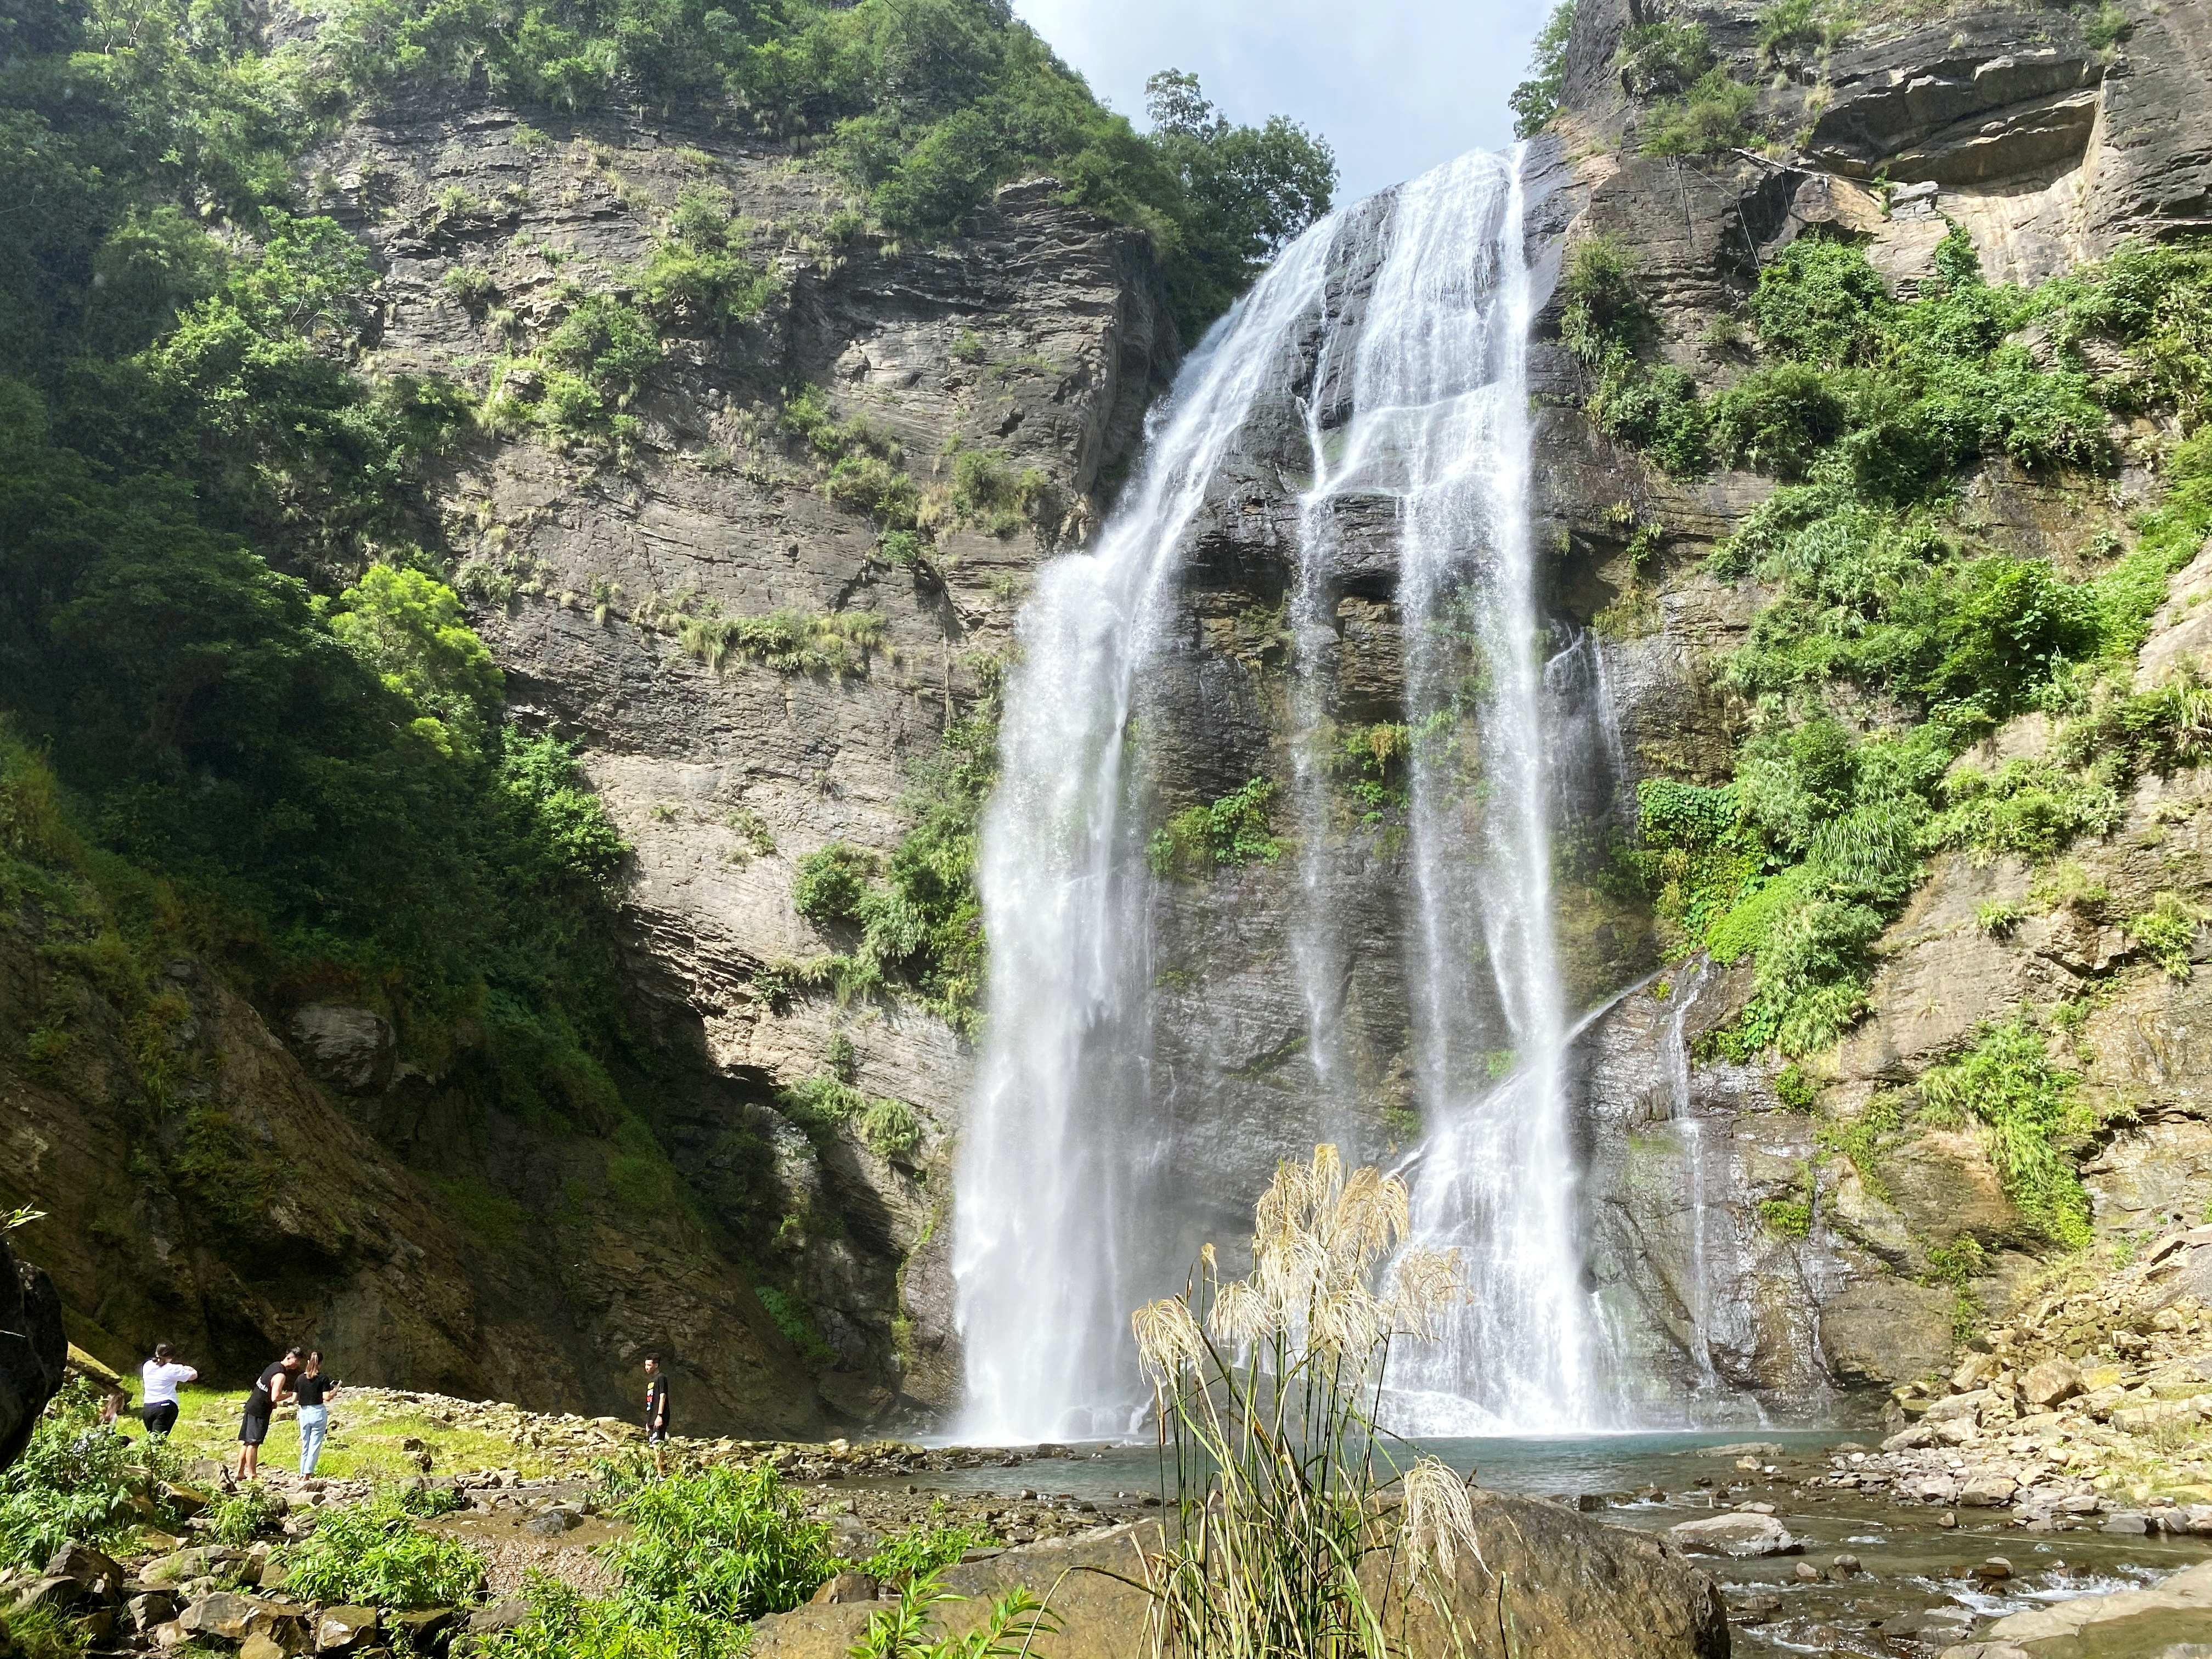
(487, 1256)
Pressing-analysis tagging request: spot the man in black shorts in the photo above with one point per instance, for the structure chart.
(261, 1403)
(656, 1412)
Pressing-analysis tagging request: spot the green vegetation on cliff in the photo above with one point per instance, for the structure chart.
(1896, 638)
(923, 106)
(1227, 833)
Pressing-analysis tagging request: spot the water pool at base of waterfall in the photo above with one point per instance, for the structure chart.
(1916, 1588)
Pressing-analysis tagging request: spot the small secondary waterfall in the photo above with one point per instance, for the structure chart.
(1413, 397)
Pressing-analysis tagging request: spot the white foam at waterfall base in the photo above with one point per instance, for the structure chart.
(1063, 1169)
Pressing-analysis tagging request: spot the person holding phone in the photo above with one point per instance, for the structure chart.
(656, 1412)
(314, 1391)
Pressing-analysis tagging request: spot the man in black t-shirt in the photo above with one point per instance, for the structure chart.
(656, 1412)
(273, 1388)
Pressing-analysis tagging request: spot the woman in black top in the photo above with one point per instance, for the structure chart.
(313, 1390)
(261, 1402)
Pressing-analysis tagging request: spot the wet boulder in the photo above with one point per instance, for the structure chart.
(1740, 1535)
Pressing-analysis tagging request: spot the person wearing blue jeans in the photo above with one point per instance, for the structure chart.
(315, 1391)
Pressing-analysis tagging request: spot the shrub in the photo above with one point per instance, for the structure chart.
(1230, 831)
(1711, 115)
(1787, 1218)
(726, 1543)
(870, 484)
(1820, 301)
(563, 1624)
(831, 883)
(887, 1127)
(718, 285)
(2031, 1116)
(373, 1553)
(917, 1553)
(987, 491)
(1370, 763)
(789, 642)
(1794, 1089)
(1663, 59)
(610, 344)
(1789, 26)
(1777, 421)
(1656, 410)
(78, 1480)
(473, 288)
(2167, 932)
(2030, 808)
(1693, 856)
(908, 1630)
(1605, 307)
(2108, 27)
(241, 1518)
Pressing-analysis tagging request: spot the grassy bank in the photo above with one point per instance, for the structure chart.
(375, 1435)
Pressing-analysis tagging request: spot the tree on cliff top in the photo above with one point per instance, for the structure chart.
(1250, 189)
(925, 106)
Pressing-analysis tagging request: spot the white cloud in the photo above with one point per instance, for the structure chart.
(1398, 86)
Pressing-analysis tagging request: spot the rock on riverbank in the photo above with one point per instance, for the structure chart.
(1554, 1584)
(2086, 1409)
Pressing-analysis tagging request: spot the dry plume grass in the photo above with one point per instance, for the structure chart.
(1266, 1390)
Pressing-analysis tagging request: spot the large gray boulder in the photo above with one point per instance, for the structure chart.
(33, 1351)
(1572, 1589)
(352, 1049)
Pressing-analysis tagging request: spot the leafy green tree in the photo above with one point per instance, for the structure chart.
(411, 629)
(1536, 99)
(1250, 190)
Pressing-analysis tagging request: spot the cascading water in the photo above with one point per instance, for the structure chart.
(1061, 1165)
(1415, 402)
(1439, 396)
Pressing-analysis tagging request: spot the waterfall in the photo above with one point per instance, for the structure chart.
(1675, 1059)
(1061, 1163)
(1441, 420)
(1413, 395)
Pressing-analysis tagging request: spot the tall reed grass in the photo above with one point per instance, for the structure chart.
(1283, 1537)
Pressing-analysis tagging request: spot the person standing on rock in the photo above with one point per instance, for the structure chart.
(274, 1389)
(159, 1378)
(656, 1412)
(314, 1391)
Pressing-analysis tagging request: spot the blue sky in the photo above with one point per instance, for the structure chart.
(1397, 86)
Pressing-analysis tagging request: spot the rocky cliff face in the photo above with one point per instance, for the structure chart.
(702, 594)
(619, 568)
(2048, 152)
(1037, 342)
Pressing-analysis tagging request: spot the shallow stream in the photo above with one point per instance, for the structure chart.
(1920, 1585)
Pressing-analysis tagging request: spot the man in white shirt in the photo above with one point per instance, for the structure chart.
(161, 1375)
